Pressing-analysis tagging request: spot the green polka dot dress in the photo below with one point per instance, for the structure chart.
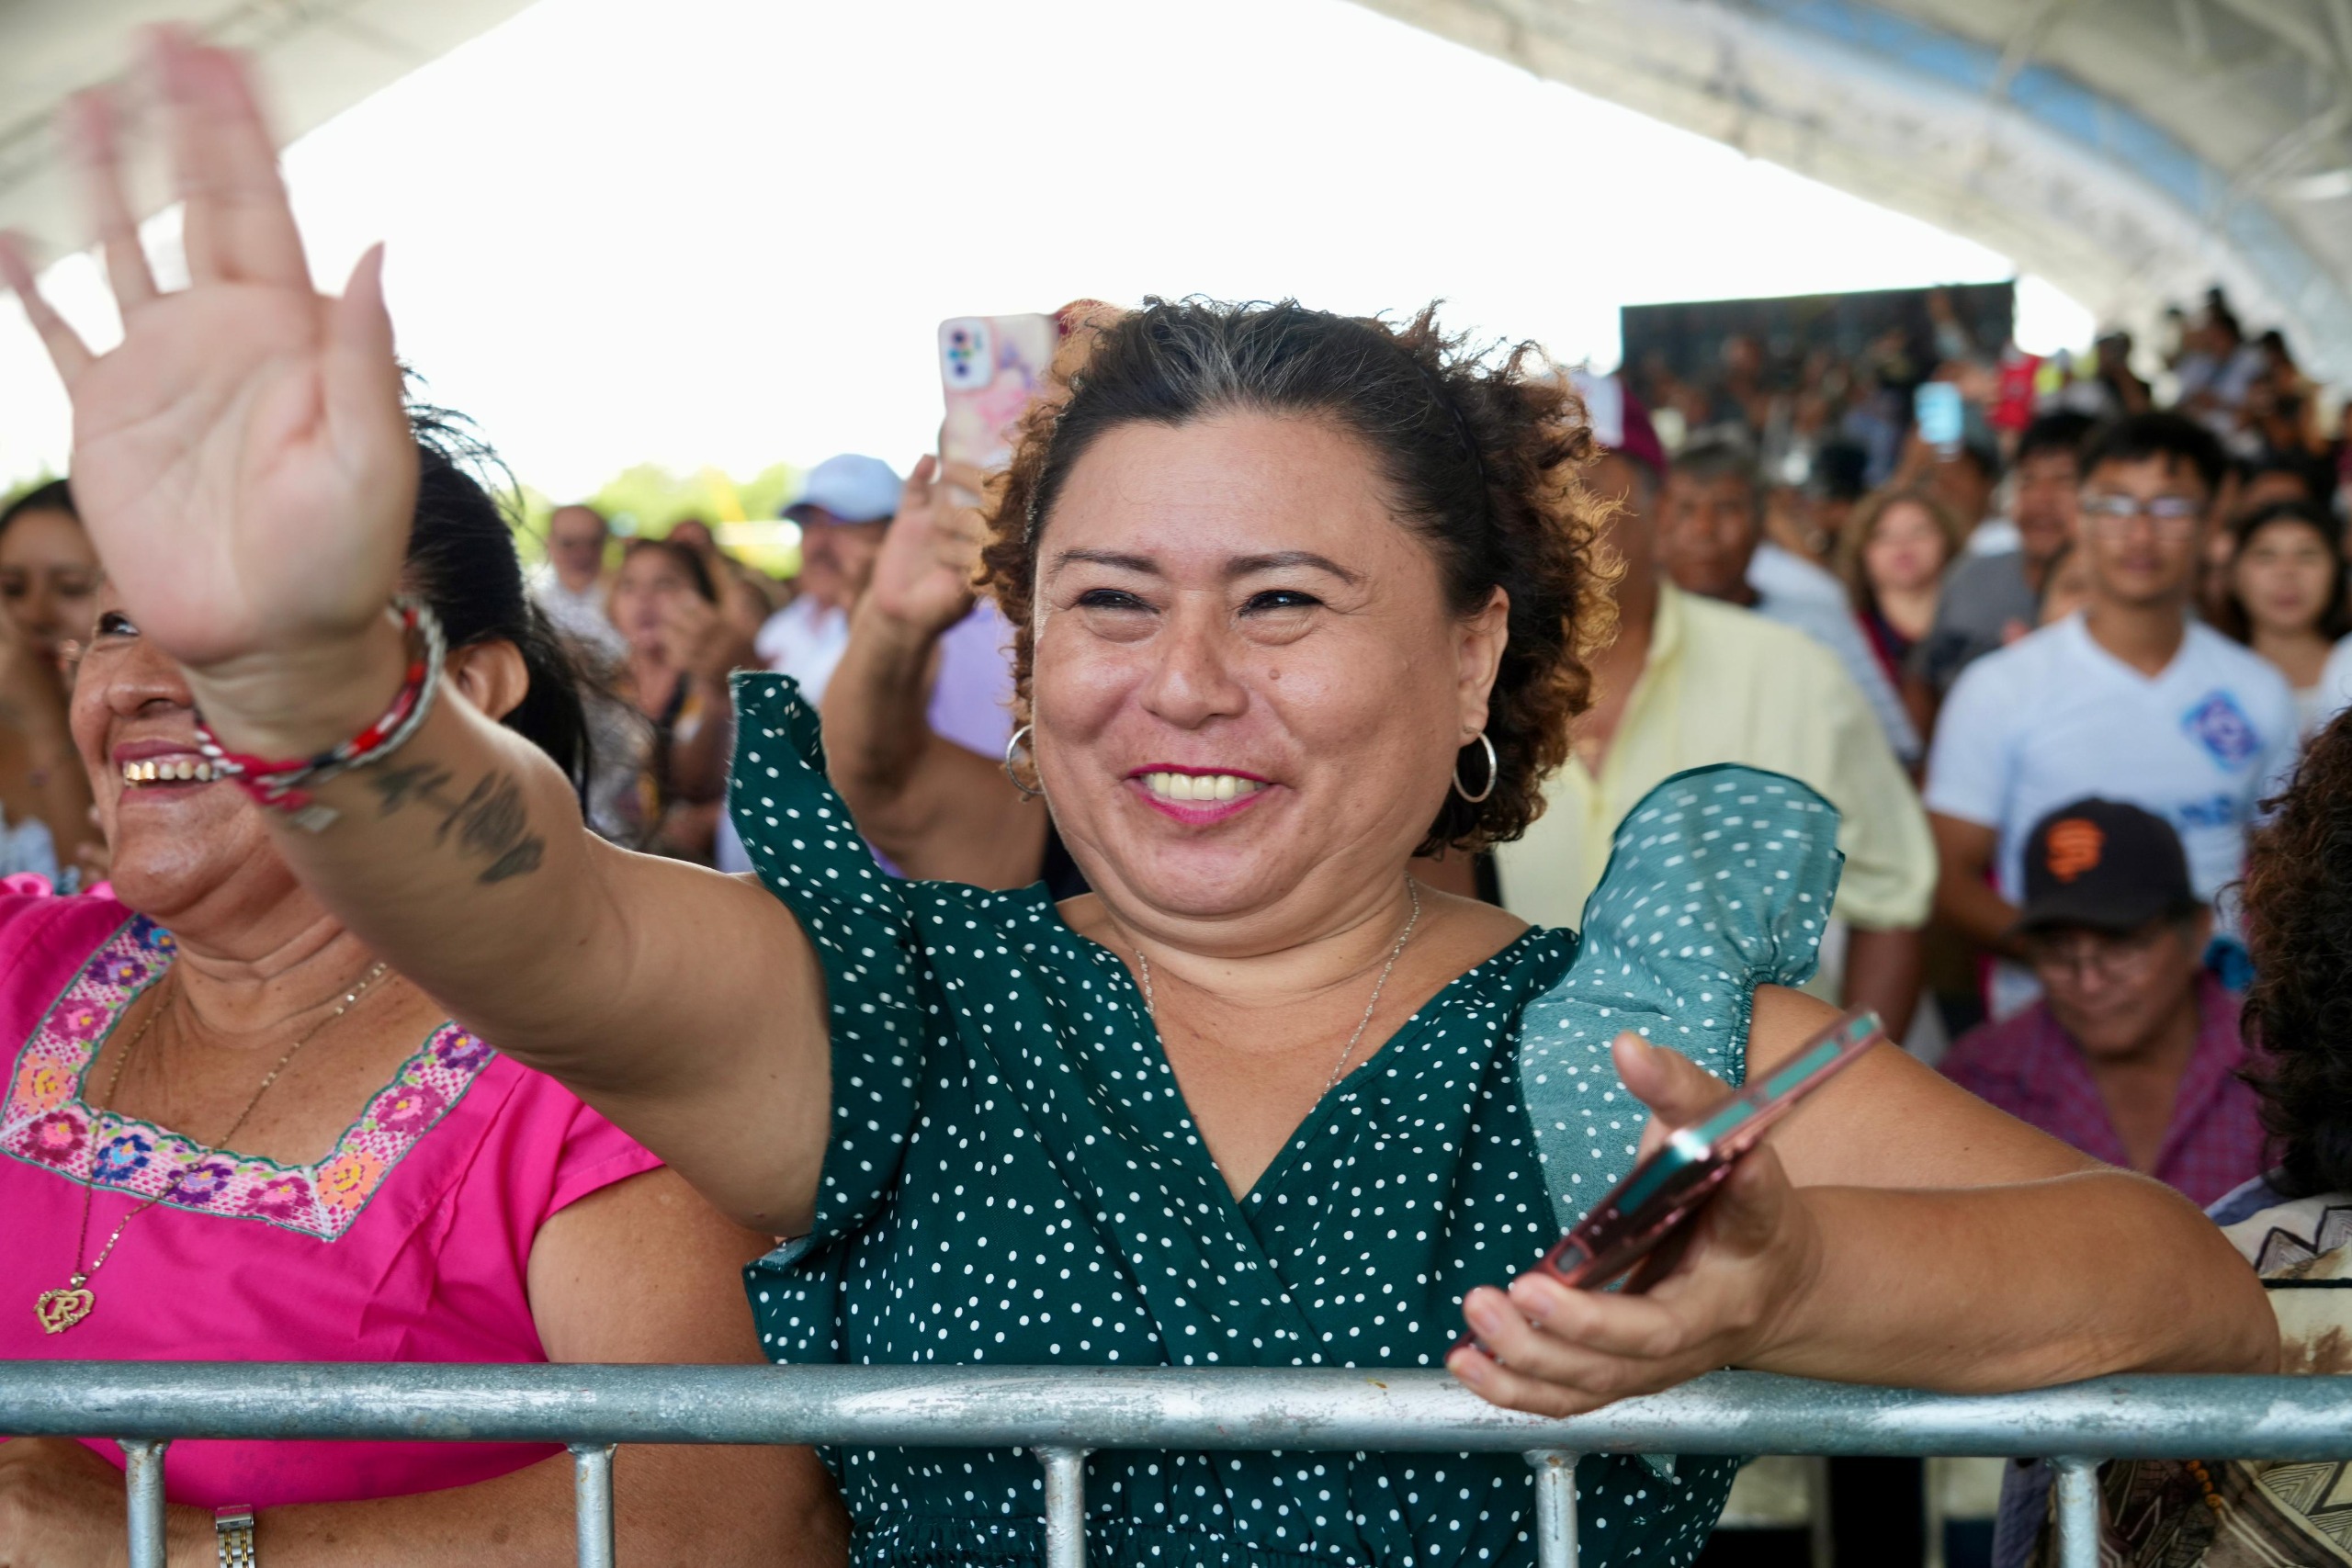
(1013, 1179)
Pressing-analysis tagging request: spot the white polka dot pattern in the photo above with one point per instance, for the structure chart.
(1719, 881)
(1013, 1179)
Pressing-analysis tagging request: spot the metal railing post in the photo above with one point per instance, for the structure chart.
(2078, 1488)
(1065, 1505)
(592, 1503)
(1555, 1507)
(143, 1480)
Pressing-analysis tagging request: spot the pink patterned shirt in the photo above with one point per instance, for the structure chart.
(2029, 1067)
(410, 1241)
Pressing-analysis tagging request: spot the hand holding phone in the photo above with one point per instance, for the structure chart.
(1648, 1216)
(1941, 415)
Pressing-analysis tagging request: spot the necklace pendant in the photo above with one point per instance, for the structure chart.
(59, 1309)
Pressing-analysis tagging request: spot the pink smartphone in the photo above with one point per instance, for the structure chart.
(990, 367)
(1667, 1191)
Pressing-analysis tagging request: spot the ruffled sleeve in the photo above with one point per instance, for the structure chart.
(808, 853)
(1720, 881)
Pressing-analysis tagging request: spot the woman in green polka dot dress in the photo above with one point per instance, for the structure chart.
(1280, 580)
(1297, 595)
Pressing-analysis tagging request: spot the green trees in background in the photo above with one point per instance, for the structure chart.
(649, 499)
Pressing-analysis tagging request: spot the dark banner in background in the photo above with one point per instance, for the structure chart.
(1902, 334)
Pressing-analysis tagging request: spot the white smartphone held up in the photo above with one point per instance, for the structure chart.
(990, 367)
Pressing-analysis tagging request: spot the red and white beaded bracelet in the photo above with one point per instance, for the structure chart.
(287, 786)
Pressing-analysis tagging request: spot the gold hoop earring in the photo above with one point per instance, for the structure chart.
(1028, 792)
(1494, 771)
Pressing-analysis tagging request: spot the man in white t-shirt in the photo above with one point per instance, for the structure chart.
(2132, 699)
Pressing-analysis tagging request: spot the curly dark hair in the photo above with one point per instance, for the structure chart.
(1482, 452)
(2297, 893)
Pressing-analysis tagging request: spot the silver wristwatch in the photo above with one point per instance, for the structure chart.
(234, 1528)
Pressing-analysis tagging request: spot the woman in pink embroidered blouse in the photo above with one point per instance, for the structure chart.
(397, 1192)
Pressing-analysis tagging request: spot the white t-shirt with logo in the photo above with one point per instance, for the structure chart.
(2054, 718)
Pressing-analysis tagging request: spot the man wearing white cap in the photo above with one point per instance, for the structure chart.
(844, 512)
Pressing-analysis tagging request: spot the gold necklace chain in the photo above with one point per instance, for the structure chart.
(61, 1309)
(1338, 1068)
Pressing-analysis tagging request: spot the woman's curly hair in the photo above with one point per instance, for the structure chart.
(2298, 894)
(1482, 454)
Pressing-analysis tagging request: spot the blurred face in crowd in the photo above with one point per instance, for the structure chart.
(2047, 487)
(2284, 576)
(648, 583)
(49, 580)
(1706, 533)
(576, 538)
(2118, 992)
(1906, 552)
(837, 557)
(1249, 688)
(2143, 524)
(1965, 486)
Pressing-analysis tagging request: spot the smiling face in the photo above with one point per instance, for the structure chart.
(188, 848)
(1248, 688)
(178, 835)
(2047, 495)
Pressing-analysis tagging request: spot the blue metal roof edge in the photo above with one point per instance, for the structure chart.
(2064, 106)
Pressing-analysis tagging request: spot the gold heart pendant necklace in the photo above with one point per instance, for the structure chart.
(61, 1309)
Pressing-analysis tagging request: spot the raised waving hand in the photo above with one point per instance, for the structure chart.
(242, 459)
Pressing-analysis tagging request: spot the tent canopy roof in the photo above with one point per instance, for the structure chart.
(2132, 152)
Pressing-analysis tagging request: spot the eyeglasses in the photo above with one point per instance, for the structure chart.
(2172, 516)
(2087, 953)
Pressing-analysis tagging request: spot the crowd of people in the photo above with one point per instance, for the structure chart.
(1228, 889)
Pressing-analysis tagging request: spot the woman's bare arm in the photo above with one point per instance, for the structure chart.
(1965, 1250)
(931, 807)
(243, 465)
(1894, 1230)
(685, 1005)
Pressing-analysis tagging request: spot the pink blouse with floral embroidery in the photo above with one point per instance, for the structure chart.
(409, 1242)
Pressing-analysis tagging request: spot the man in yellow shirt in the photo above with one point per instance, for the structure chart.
(1690, 682)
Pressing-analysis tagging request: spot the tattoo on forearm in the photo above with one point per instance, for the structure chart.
(489, 822)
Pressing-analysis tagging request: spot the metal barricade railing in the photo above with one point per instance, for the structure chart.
(1062, 1414)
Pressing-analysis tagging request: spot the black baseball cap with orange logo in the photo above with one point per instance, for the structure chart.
(2104, 865)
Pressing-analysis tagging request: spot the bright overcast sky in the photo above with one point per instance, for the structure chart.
(723, 231)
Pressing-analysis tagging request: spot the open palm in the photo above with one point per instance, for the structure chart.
(241, 459)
